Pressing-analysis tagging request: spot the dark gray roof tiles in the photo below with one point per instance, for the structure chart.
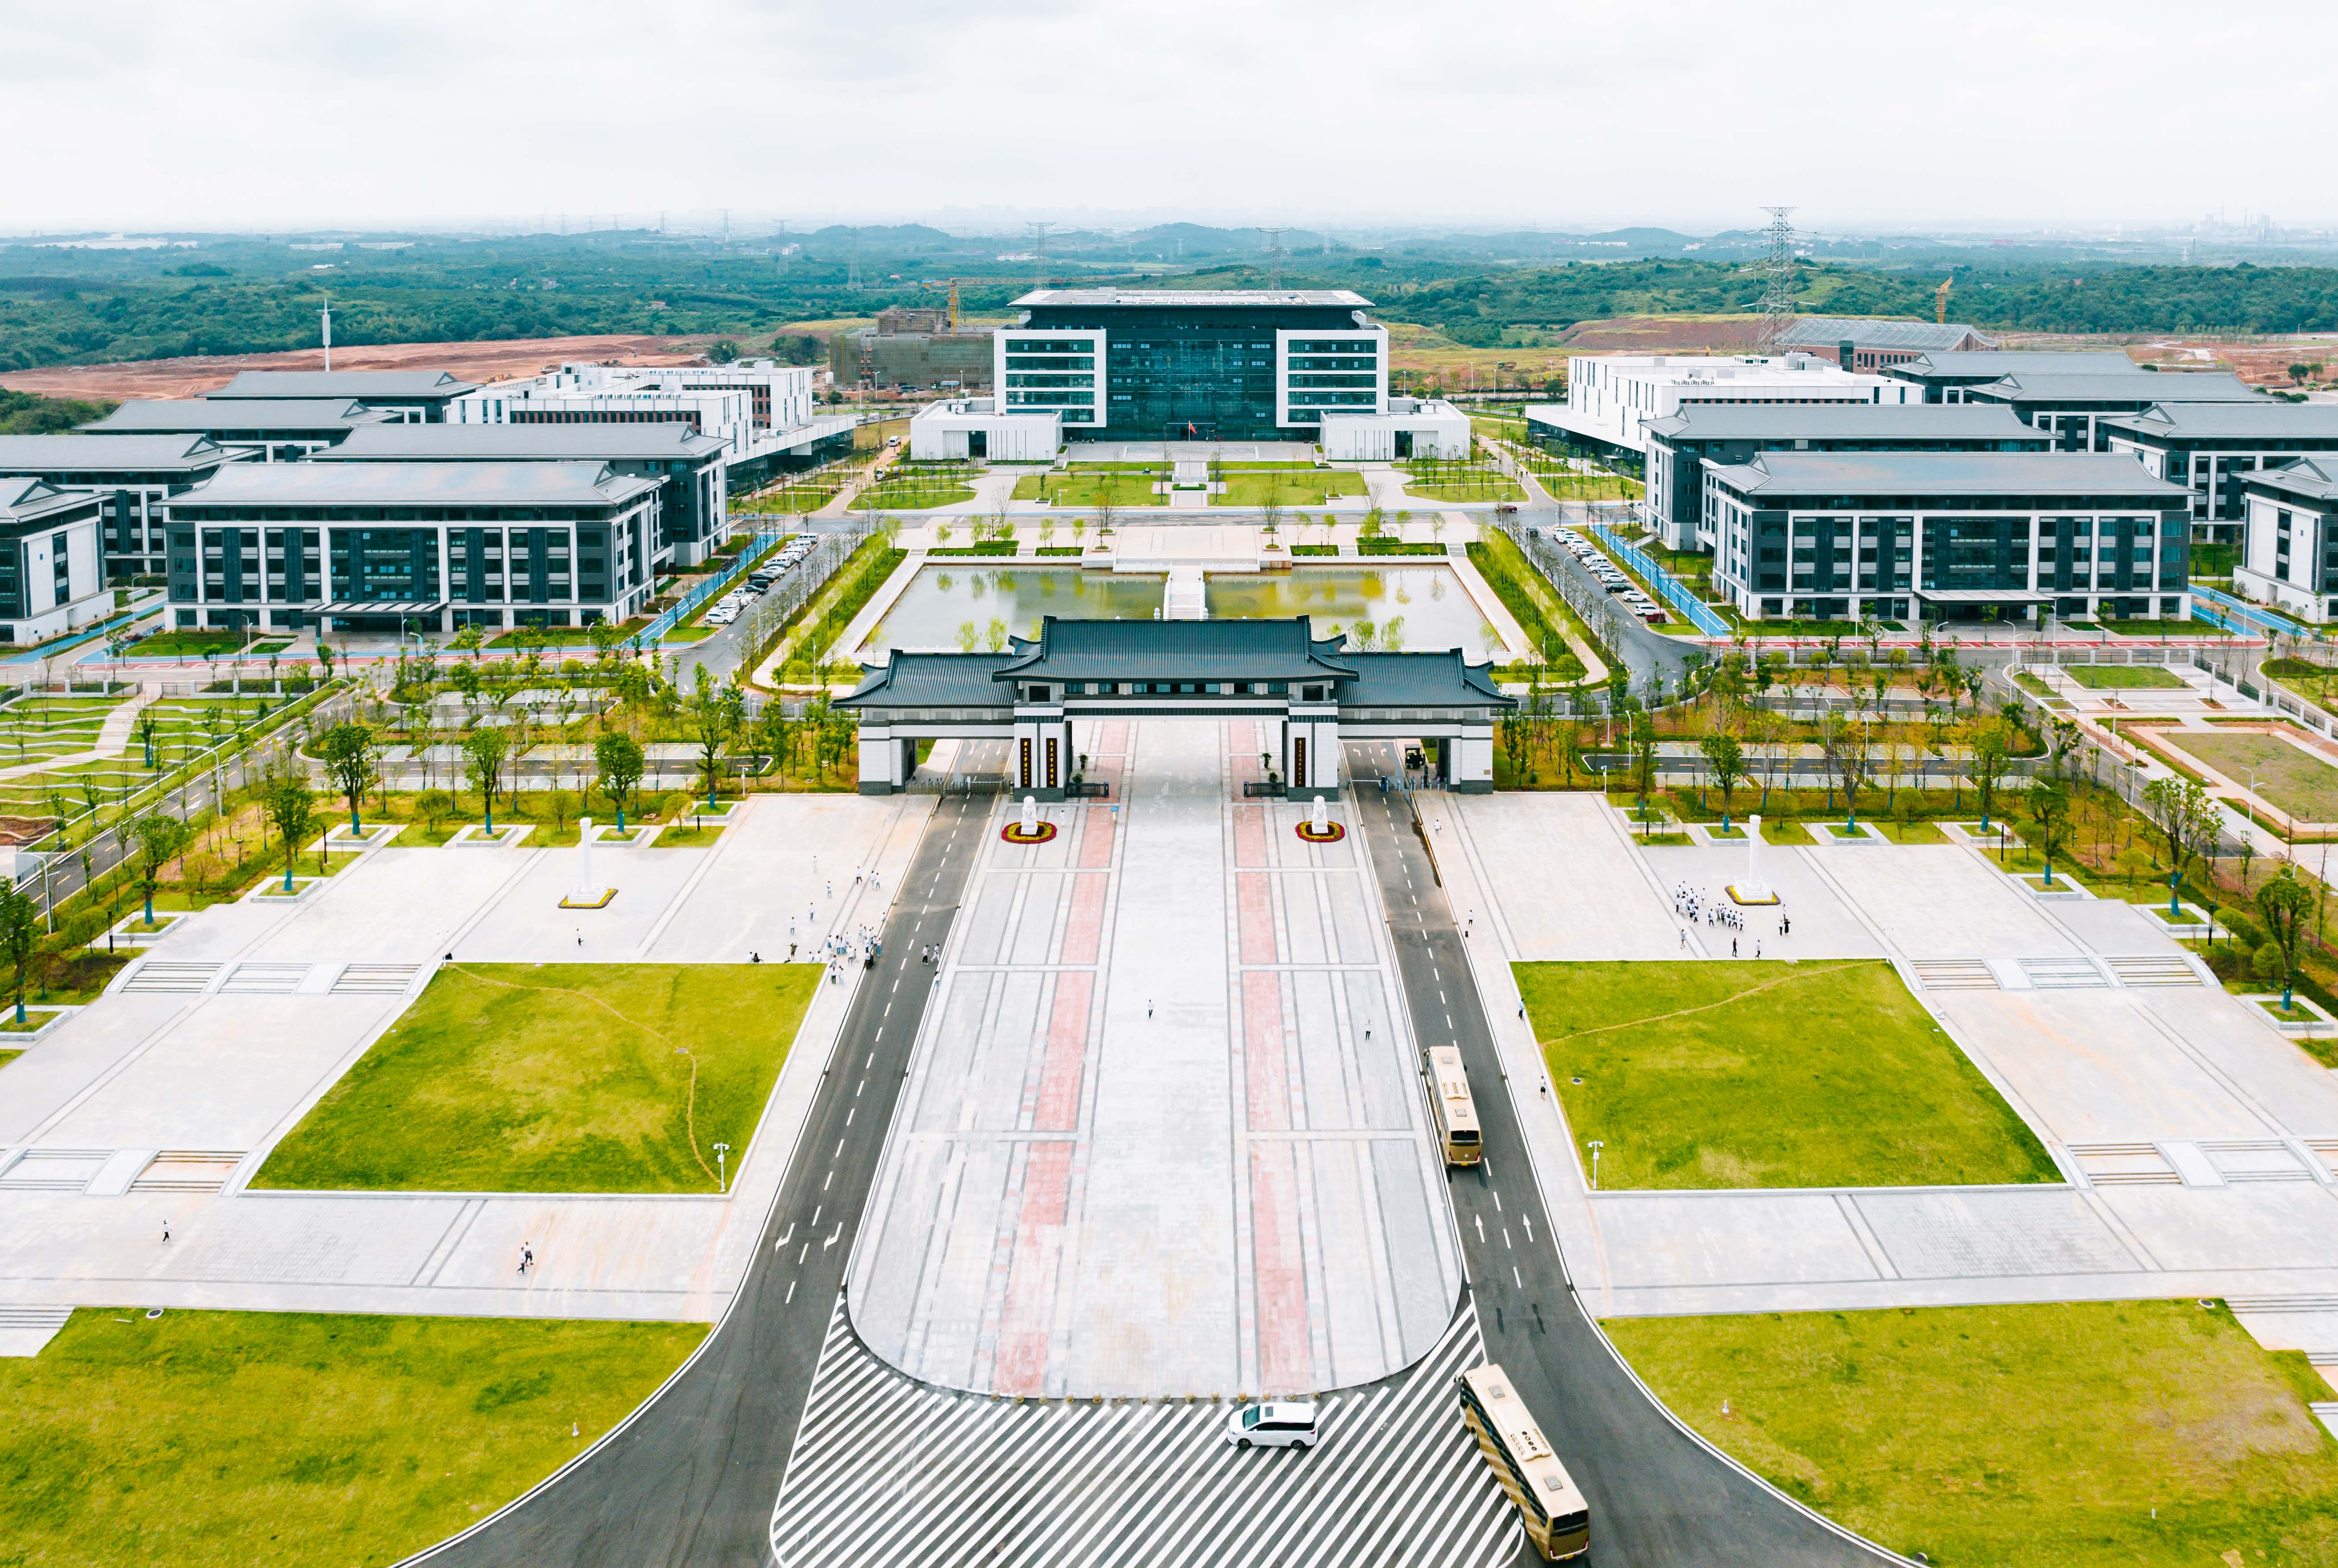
(2312, 479)
(2270, 419)
(361, 384)
(1758, 422)
(2014, 361)
(1263, 650)
(417, 484)
(1852, 474)
(2186, 387)
(523, 443)
(81, 452)
(150, 415)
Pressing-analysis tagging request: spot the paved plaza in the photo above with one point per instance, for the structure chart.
(1163, 1135)
(158, 1101)
(2199, 1146)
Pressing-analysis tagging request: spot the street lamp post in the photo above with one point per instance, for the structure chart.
(722, 1166)
(1596, 1147)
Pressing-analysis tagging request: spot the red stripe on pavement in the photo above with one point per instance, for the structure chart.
(1022, 1361)
(1083, 932)
(1266, 1079)
(1254, 897)
(1285, 1364)
(1058, 1106)
(1096, 835)
(1250, 835)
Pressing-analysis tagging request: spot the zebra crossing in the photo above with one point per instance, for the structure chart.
(889, 1470)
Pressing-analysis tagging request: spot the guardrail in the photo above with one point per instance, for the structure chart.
(1700, 615)
(757, 542)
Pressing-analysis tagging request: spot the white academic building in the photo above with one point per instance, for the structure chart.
(1612, 399)
(758, 409)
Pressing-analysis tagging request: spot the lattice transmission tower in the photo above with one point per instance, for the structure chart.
(1778, 296)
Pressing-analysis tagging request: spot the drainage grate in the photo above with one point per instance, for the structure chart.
(265, 979)
(2124, 1165)
(2158, 968)
(1954, 975)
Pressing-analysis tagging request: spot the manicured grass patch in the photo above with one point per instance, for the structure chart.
(198, 643)
(1314, 549)
(557, 1078)
(1399, 547)
(1726, 1074)
(2018, 1434)
(683, 835)
(1132, 488)
(2192, 628)
(2293, 779)
(988, 547)
(1303, 487)
(227, 1438)
(8, 1056)
(2123, 677)
(35, 1019)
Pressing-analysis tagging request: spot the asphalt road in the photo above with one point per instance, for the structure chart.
(691, 1480)
(1658, 1499)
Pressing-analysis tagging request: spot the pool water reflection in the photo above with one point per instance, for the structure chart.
(1395, 610)
(978, 607)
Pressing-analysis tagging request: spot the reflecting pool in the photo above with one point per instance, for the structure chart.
(975, 606)
(1395, 610)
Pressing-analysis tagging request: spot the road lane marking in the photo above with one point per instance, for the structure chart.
(831, 1241)
(786, 1236)
(830, 1177)
(1481, 1220)
(791, 1292)
(1527, 1220)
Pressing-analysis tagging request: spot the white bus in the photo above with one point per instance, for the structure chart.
(1456, 1111)
(1557, 1518)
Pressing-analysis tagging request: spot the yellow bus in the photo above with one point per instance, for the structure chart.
(1557, 1518)
(1456, 1113)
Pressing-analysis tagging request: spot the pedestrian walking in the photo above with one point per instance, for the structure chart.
(1148, 1007)
(1732, 947)
(1757, 949)
(527, 1255)
(166, 1233)
(1683, 936)
(580, 936)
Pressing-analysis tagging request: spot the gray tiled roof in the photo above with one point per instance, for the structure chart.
(1256, 650)
(80, 451)
(2013, 361)
(1945, 474)
(417, 484)
(278, 384)
(147, 415)
(2270, 419)
(2182, 386)
(933, 680)
(1828, 331)
(2313, 479)
(25, 500)
(1751, 421)
(1421, 680)
(523, 443)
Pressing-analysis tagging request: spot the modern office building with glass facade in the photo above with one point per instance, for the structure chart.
(1192, 365)
(1948, 537)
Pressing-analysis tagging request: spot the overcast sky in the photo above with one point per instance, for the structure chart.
(266, 113)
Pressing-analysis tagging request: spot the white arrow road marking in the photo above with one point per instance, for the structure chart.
(832, 1240)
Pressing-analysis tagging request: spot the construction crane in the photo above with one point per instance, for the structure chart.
(1940, 300)
(953, 305)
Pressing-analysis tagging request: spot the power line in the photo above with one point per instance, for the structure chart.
(1039, 253)
(1274, 258)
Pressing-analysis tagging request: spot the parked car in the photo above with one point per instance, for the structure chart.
(1274, 1424)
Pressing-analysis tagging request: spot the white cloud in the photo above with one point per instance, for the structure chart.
(1690, 112)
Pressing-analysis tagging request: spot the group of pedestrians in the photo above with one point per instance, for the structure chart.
(1695, 904)
(862, 943)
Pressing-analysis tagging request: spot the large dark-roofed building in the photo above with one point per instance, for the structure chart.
(2073, 409)
(1679, 447)
(1945, 374)
(1192, 364)
(420, 396)
(1948, 536)
(1861, 344)
(272, 431)
(425, 547)
(2216, 447)
(130, 474)
(1077, 672)
(692, 502)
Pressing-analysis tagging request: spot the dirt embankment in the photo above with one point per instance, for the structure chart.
(486, 361)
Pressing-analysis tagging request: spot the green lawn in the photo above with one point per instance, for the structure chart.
(2191, 628)
(1727, 1074)
(2123, 677)
(198, 643)
(2030, 1435)
(218, 1439)
(8, 1056)
(1085, 490)
(2293, 779)
(1307, 488)
(557, 1078)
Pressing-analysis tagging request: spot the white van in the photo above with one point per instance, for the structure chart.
(1277, 1423)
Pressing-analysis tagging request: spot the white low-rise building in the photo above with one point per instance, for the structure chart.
(1412, 428)
(1611, 399)
(755, 408)
(2289, 540)
(963, 427)
(52, 575)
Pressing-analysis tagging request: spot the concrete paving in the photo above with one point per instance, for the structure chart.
(2198, 1143)
(1162, 1136)
(213, 1078)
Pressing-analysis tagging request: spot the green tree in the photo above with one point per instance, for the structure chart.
(20, 936)
(2285, 904)
(1643, 759)
(484, 747)
(1513, 743)
(715, 711)
(160, 839)
(291, 807)
(351, 752)
(1724, 761)
(2049, 812)
(2186, 818)
(1992, 752)
(618, 757)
